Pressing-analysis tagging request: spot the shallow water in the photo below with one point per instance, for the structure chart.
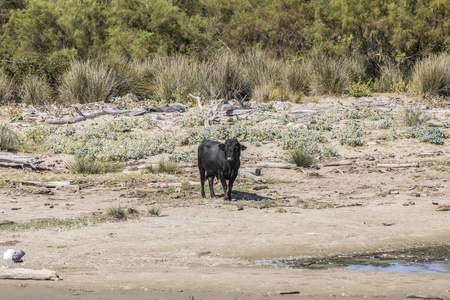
(411, 267)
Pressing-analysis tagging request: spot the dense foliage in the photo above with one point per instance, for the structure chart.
(384, 39)
(141, 28)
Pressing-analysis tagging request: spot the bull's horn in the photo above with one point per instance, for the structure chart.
(245, 135)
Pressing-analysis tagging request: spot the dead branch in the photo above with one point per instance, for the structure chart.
(198, 101)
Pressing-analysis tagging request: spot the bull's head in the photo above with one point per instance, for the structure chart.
(232, 149)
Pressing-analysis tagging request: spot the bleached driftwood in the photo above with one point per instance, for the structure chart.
(83, 117)
(29, 161)
(399, 165)
(276, 165)
(27, 274)
(198, 101)
(338, 163)
(50, 184)
(443, 208)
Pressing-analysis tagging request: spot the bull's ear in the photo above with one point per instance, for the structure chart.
(222, 147)
(243, 147)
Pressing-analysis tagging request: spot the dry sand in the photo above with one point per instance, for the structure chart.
(212, 249)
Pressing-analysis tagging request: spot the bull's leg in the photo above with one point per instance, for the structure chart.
(211, 186)
(202, 180)
(224, 185)
(230, 185)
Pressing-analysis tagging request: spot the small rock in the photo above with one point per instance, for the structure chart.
(443, 208)
(409, 203)
(260, 187)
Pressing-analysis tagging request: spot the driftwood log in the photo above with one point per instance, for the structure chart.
(27, 274)
(28, 161)
(276, 165)
(253, 177)
(50, 184)
(399, 165)
(83, 117)
(254, 171)
(339, 163)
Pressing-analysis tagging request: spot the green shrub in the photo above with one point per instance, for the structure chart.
(195, 118)
(387, 124)
(300, 158)
(9, 139)
(6, 88)
(186, 156)
(116, 212)
(359, 88)
(88, 81)
(155, 210)
(431, 77)
(35, 91)
(432, 135)
(351, 134)
(132, 211)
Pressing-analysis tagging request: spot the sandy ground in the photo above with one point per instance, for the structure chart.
(211, 249)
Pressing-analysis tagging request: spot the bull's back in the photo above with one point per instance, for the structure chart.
(210, 157)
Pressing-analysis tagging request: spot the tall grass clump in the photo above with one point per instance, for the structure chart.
(226, 77)
(6, 88)
(88, 81)
(414, 116)
(131, 76)
(83, 165)
(9, 139)
(175, 78)
(300, 158)
(296, 77)
(329, 75)
(163, 166)
(431, 77)
(116, 212)
(391, 79)
(35, 91)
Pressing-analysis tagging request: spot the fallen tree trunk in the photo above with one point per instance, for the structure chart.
(29, 161)
(27, 274)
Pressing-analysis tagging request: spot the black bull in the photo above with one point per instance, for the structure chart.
(219, 160)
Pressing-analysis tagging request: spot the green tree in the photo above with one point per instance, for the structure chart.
(83, 24)
(139, 28)
(33, 29)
